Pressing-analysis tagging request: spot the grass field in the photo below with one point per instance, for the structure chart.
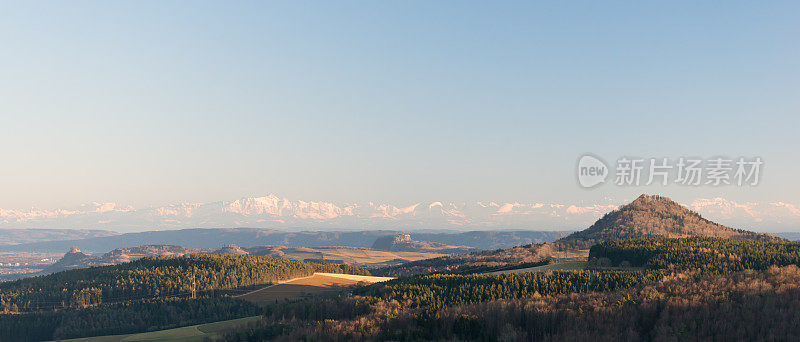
(573, 254)
(194, 333)
(317, 284)
(355, 256)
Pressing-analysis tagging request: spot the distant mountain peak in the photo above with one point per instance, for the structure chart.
(402, 242)
(231, 249)
(654, 215)
(74, 258)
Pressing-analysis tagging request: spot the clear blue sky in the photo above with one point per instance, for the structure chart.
(152, 102)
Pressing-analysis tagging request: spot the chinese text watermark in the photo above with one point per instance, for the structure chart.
(629, 171)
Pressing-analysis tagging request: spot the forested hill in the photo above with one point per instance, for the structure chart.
(647, 216)
(153, 278)
(696, 253)
(655, 216)
(77, 259)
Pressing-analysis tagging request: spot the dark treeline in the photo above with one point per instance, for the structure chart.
(743, 306)
(152, 278)
(421, 299)
(122, 318)
(486, 268)
(440, 290)
(747, 305)
(708, 254)
(692, 288)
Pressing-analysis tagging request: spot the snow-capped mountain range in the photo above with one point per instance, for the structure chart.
(277, 212)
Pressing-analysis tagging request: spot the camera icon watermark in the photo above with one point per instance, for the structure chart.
(591, 171)
(630, 171)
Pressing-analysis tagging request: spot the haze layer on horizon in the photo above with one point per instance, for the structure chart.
(274, 212)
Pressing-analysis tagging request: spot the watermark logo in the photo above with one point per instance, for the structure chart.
(591, 171)
(631, 171)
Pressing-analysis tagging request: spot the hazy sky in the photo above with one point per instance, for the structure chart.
(153, 102)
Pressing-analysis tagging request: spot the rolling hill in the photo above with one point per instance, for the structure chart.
(217, 237)
(652, 215)
(404, 243)
(646, 216)
(75, 258)
(154, 277)
(354, 256)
